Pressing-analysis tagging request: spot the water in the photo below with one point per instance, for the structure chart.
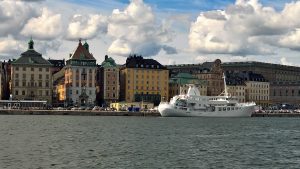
(148, 142)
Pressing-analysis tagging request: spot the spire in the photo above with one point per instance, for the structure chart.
(80, 41)
(86, 46)
(30, 44)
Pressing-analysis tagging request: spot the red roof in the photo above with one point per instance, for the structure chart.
(81, 53)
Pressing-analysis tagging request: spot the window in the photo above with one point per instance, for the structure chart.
(17, 92)
(32, 76)
(24, 83)
(40, 76)
(47, 93)
(47, 84)
(47, 76)
(40, 69)
(23, 92)
(17, 68)
(24, 76)
(17, 83)
(17, 75)
(32, 69)
(47, 70)
(40, 84)
(24, 68)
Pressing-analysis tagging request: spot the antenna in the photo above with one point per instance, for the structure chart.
(225, 86)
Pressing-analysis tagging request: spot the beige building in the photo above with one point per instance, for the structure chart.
(237, 91)
(31, 78)
(80, 77)
(258, 92)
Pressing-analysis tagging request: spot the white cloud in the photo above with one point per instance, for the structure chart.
(13, 16)
(47, 26)
(284, 61)
(245, 28)
(10, 48)
(135, 30)
(86, 27)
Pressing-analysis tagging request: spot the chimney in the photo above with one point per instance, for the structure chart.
(106, 57)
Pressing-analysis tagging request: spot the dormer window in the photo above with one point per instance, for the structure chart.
(142, 65)
(157, 66)
(137, 65)
(152, 66)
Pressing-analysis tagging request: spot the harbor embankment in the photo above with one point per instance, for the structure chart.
(276, 114)
(77, 113)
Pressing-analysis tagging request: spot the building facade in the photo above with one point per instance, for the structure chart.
(31, 76)
(179, 84)
(144, 80)
(80, 77)
(284, 80)
(108, 86)
(211, 72)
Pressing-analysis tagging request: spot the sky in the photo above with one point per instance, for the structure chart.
(170, 31)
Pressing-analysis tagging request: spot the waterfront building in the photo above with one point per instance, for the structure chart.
(108, 86)
(179, 84)
(211, 72)
(80, 77)
(59, 94)
(236, 86)
(284, 80)
(256, 87)
(31, 76)
(144, 80)
(57, 65)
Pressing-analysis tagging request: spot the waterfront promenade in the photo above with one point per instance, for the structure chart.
(76, 113)
(123, 113)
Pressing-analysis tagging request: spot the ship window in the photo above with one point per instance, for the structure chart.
(228, 108)
(232, 108)
(224, 108)
(199, 105)
(220, 109)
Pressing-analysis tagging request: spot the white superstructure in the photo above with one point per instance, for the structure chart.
(192, 104)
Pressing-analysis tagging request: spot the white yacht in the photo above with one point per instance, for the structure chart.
(192, 104)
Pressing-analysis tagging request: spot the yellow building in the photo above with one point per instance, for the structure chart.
(238, 91)
(144, 80)
(258, 92)
(31, 77)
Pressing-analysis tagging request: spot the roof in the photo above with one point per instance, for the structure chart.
(238, 78)
(82, 53)
(31, 57)
(108, 62)
(135, 61)
(57, 63)
(185, 78)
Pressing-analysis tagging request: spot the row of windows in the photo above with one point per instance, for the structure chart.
(259, 98)
(260, 85)
(32, 69)
(31, 76)
(286, 93)
(31, 84)
(23, 93)
(77, 92)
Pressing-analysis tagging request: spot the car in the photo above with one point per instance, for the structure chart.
(74, 108)
(96, 108)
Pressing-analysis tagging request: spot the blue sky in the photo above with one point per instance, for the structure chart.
(176, 5)
(170, 31)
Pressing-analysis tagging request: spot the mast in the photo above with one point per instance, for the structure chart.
(225, 86)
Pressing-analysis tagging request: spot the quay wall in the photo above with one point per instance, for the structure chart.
(77, 113)
(275, 115)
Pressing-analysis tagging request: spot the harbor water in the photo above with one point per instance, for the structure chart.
(84, 142)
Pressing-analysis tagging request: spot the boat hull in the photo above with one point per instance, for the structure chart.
(167, 110)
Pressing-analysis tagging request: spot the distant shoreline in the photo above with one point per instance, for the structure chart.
(76, 113)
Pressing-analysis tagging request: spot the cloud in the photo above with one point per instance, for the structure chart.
(246, 28)
(10, 48)
(13, 16)
(47, 26)
(86, 27)
(284, 61)
(135, 30)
